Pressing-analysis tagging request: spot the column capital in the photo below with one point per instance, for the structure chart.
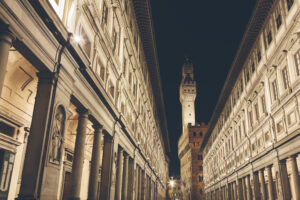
(97, 127)
(6, 35)
(269, 167)
(83, 112)
(46, 77)
(293, 156)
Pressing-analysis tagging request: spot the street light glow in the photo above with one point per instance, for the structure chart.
(172, 183)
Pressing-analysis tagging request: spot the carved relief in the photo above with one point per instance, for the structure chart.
(56, 139)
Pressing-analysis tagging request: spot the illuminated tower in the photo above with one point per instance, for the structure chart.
(188, 94)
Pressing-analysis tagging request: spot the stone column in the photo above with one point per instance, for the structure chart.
(240, 188)
(95, 163)
(270, 184)
(262, 184)
(131, 178)
(228, 191)
(249, 192)
(79, 151)
(144, 184)
(106, 172)
(125, 178)
(244, 188)
(256, 190)
(6, 39)
(295, 177)
(137, 182)
(119, 175)
(37, 145)
(140, 183)
(283, 181)
(236, 190)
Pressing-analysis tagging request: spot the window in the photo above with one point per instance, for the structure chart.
(278, 18)
(274, 90)
(297, 62)
(125, 6)
(200, 178)
(111, 89)
(285, 78)
(200, 134)
(247, 75)
(269, 36)
(104, 13)
(130, 78)
(256, 111)
(135, 41)
(258, 55)
(289, 4)
(291, 118)
(241, 85)
(250, 118)
(7, 129)
(195, 134)
(244, 127)
(200, 157)
(201, 168)
(263, 103)
(114, 39)
(267, 136)
(253, 67)
(102, 73)
(279, 127)
(85, 42)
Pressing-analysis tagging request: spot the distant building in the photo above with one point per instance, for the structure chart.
(251, 149)
(191, 139)
(174, 189)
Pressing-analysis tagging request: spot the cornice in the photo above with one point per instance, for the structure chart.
(253, 29)
(144, 19)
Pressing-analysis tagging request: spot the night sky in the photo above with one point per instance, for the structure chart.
(209, 32)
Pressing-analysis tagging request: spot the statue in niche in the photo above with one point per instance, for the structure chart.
(57, 136)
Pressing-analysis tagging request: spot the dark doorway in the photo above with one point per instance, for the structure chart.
(67, 186)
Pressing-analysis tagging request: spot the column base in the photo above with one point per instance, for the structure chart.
(21, 197)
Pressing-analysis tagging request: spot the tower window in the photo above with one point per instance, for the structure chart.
(200, 178)
(200, 157)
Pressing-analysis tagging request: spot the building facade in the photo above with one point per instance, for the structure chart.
(191, 170)
(81, 107)
(252, 146)
(174, 189)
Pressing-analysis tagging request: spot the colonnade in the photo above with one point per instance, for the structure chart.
(124, 179)
(273, 181)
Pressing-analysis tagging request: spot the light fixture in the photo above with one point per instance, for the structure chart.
(172, 183)
(270, 143)
(77, 38)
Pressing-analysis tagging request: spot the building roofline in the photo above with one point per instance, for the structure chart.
(253, 29)
(144, 19)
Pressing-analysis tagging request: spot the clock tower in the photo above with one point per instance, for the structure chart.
(188, 94)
